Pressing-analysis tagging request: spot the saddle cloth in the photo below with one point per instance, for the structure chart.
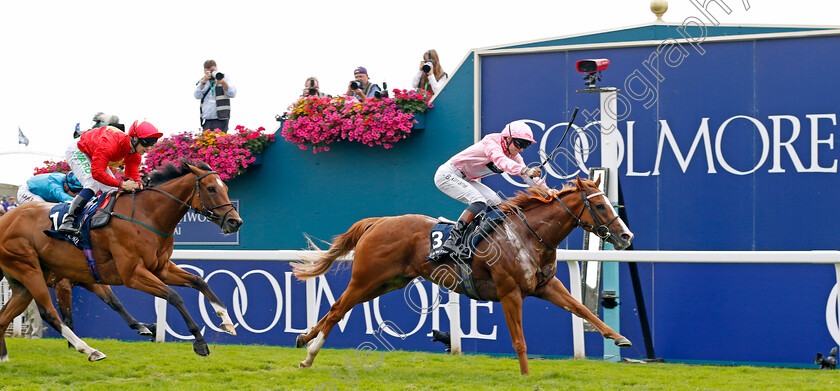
(486, 223)
(89, 218)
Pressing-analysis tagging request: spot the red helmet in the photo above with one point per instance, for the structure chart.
(144, 129)
(518, 129)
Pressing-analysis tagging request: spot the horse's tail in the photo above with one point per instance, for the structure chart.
(316, 265)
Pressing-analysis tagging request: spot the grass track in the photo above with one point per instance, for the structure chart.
(48, 364)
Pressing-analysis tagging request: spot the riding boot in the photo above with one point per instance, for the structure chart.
(68, 224)
(452, 244)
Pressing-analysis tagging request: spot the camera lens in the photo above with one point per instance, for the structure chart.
(355, 84)
(313, 92)
(427, 67)
(218, 75)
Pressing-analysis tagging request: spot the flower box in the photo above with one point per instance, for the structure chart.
(314, 122)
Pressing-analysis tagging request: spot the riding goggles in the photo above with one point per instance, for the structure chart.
(148, 141)
(521, 143)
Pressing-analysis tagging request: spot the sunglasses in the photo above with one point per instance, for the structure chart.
(521, 143)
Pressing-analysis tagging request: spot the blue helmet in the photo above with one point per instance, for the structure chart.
(72, 182)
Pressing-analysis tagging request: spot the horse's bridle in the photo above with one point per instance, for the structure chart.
(204, 211)
(602, 230)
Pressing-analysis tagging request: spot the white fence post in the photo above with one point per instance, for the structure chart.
(454, 307)
(577, 322)
(160, 310)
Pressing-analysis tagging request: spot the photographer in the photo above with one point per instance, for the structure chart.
(430, 76)
(311, 88)
(215, 91)
(361, 87)
(101, 119)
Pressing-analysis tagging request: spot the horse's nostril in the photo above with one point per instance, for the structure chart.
(626, 236)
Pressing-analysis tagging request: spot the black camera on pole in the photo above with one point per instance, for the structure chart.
(217, 75)
(590, 67)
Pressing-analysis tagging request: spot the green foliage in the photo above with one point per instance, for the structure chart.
(47, 364)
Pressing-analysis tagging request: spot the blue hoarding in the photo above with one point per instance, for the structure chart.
(725, 150)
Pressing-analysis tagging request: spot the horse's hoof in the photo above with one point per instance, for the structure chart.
(4, 358)
(144, 331)
(96, 356)
(300, 341)
(201, 349)
(228, 328)
(623, 343)
(303, 365)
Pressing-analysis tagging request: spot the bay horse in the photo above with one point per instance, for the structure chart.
(64, 297)
(391, 251)
(134, 249)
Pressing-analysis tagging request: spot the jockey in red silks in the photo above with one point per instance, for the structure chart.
(494, 154)
(91, 157)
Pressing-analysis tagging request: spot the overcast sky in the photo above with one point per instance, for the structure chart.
(63, 61)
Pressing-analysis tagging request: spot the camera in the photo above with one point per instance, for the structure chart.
(356, 84)
(428, 65)
(383, 93)
(217, 75)
(592, 65)
(312, 91)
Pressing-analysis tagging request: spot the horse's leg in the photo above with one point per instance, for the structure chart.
(64, 296)
(356, 293)
(14, 307)
(512, 307)
(555, 292)
(34, 284)
(175, 276)
(143, 280)
(105, 293)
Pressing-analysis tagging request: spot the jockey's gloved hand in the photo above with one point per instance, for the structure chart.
(532, 172)
(130, 185)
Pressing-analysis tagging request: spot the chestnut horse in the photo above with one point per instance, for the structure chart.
(517, 260)
(132, 250)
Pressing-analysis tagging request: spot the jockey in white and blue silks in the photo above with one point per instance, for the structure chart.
(494, 154)
(49, 187)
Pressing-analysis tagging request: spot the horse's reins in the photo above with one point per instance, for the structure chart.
(204, 211)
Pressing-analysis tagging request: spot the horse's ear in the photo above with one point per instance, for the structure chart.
(578, 182)
(598, 181)
(195, 170)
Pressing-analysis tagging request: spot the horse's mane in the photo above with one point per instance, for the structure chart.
(172, 170)
(531, 197)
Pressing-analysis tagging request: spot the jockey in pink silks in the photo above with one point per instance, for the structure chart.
(494, 154)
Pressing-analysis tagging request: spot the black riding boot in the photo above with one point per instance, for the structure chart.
(68, 224)
(451, 244)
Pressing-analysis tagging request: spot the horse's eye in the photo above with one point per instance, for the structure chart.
(599, 206)
(211, 189)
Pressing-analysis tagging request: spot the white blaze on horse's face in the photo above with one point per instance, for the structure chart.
(220, 183)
